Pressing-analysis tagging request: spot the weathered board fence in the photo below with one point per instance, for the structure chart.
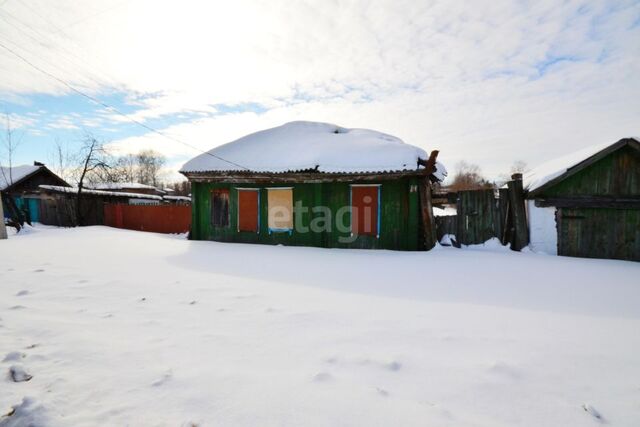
(154, 218)
(61, 211)
(485, 214)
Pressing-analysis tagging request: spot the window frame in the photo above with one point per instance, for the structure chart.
(378, 208)
(257, 190)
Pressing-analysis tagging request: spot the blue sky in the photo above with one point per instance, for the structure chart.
(489, 83)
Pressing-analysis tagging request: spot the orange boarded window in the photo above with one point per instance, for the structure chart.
(248, 210)
(365, 210)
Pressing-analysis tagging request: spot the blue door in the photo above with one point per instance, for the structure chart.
(34, 209)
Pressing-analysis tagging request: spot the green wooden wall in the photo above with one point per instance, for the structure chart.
(601, 232)
(618, 174)
(399, 216)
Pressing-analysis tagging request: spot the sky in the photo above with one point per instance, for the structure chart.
(489, 82)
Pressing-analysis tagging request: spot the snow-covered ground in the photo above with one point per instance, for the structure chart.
(125, 328)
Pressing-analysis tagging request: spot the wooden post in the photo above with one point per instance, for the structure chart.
(426, 214)
(518, 213)
(426, 207)
(3, 228)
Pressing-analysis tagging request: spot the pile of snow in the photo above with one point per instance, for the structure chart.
(9, 176)
(446, 210)
(298, 146)
(148, 329)
(552, 169)
(178, 198)
(74, 190)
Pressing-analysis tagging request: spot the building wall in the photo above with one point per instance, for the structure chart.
(600, 232)
(399, 216)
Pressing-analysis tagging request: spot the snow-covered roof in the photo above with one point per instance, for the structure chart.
(552, 169)
(122, 186)
(74, 190)
(178, 198)
(10, 176)
(324, 147)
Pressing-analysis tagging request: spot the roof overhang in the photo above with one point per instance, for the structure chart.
(296, 177)
(631, 142)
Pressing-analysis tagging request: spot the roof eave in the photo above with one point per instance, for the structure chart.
(631, 142)
(251, 176)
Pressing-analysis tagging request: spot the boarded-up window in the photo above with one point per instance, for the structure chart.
(365, 204)
(280, 205)
(248, 210)
(220, 207)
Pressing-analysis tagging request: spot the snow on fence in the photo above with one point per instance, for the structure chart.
(154, 218)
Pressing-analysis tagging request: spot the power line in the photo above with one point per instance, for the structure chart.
(80, 65)
(114, 109)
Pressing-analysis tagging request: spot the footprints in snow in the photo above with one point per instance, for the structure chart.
(13, 356)
(18, 374)
(589, 409)
(322, 377)
(380, 366)
(163, 379)
(506, 371)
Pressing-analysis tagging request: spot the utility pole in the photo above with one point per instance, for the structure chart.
(3, 228)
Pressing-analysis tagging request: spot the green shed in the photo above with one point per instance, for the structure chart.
(588, 204)
(315, 184)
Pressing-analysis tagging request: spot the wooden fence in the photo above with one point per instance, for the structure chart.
(484, 214)
(60, 210)
(154, 218)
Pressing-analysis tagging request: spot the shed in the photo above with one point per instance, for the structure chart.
(22, 183)
(315, 184)
(588, 204)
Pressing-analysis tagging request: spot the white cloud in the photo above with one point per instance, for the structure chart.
(491, 82)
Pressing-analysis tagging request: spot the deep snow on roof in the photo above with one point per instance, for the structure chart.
(552, 169)
(324, 147)
(9, 176)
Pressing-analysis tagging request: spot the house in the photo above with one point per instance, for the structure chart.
(315, 184)
(21, 184)
(588, 204)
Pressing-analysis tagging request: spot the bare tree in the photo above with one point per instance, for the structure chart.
(127, 168)
(149, 165)
(92, 157)
(519, 166)
(61, 160)
(181, 188)
(11, 144)
(468, 177)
